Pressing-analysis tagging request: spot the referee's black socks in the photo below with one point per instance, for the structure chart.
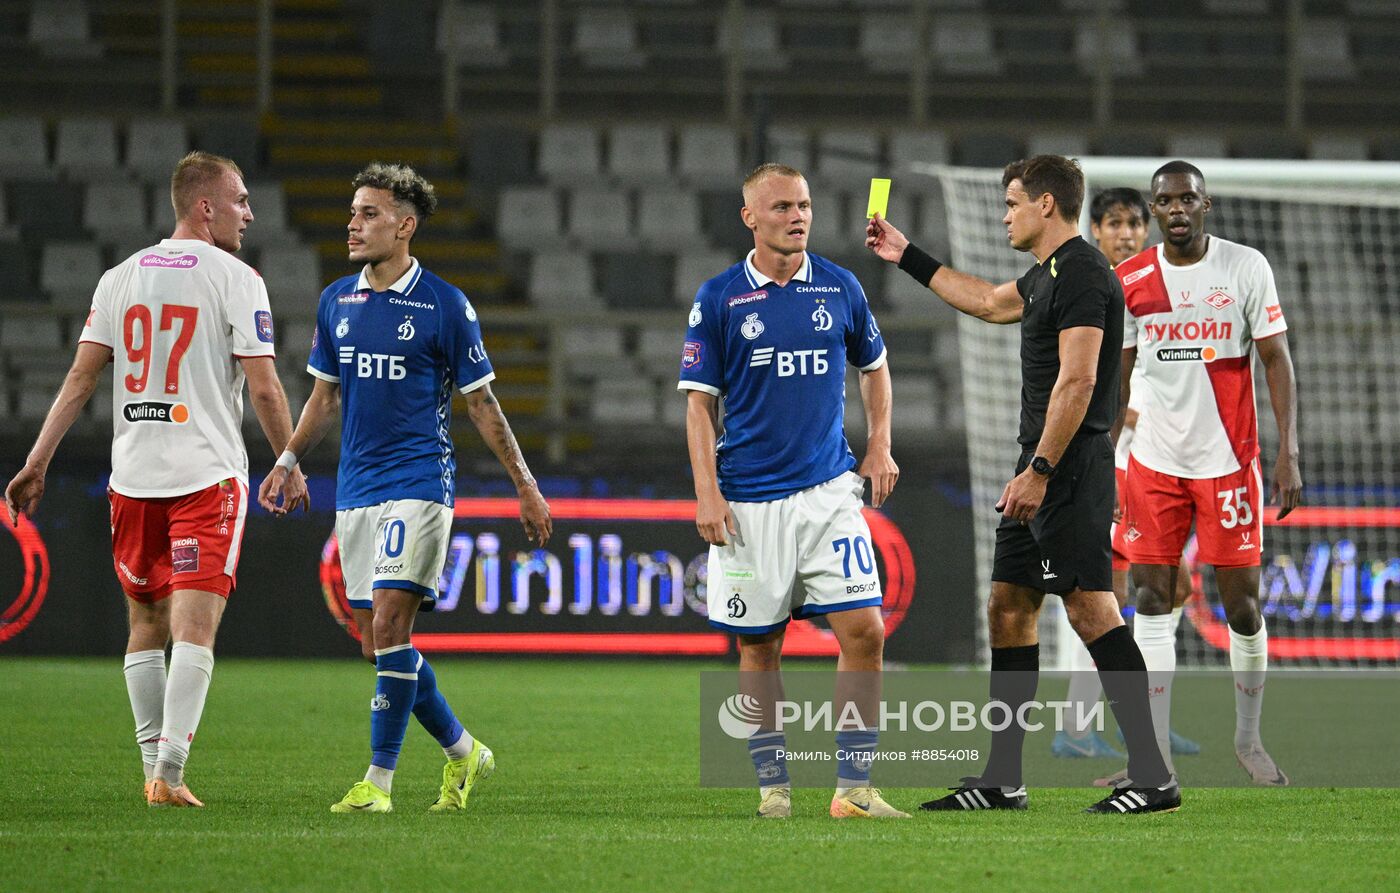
(1015, 673)
(1124, 678)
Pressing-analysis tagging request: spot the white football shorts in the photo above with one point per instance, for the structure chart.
(399, 544)
(805, 554)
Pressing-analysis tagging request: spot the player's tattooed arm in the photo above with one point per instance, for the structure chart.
(878, 466)
(713, 519)
(490, 421)
(1287, 488)
(27, 487)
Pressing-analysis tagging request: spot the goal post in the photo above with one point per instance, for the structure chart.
(1330, 585)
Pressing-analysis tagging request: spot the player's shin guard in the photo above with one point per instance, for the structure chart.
(1249, 661)
(855, 751)
(1155, 635)
(1015, 674)
(1124, 678)
(395, 687)
(768, 750)
(186, 687)
(433, 713)
(145, 686)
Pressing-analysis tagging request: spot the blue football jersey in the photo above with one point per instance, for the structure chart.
(778, 355)
(397, 355)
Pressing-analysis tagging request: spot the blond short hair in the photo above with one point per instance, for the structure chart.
(766, 170)
(195, 174)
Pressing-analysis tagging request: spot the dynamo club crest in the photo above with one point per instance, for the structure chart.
(751, 327)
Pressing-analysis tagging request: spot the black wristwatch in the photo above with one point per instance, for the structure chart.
(1041, 466)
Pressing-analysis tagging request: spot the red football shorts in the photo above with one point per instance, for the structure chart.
(1120, 550)
(178, 542)
(1158, 510)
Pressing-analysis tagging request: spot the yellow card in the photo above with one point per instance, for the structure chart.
(879, 198)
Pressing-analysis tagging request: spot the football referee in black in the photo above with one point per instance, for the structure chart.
(1058, 508)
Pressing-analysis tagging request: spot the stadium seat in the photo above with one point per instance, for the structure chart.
(36, 395)
(900, 292)
(639, 152)
(671, 403)
(63, 29)
(919, 401)
(987, 150)
(46, 209)
(668, 219)
(115, 210)
(8, 232)
(1196, 145)
(153, 146)
(791, 146)
(294, 336)
(760, 48)
(1119, 41)
(15, 260)
(910, 147)
(162, 221)
(563, 281)
(963, 45)
(1324, 49)
(233, 137)
(589, 351)
(829, 219)
(1073, 145)
(24, 149)
(1129, 145)
(86, 147)
(1337, 148)
(619, 400)
(529, 217)
(269, 206)
(659, 349)
(34, 334)
(887, 42)
(471, 34)
(100, 406)
(719, 215)
(69, 272)
(709, 155)
(569, 153)
(292, 274)
(1237, 7)
(694, 268)
(499, 156)
(600, 218)
(606, 38)
(848, 157)
(635, 280)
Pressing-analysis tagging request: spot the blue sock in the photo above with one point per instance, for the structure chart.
(766, 749)
(855, 751)
(430, 707)
(395, 686)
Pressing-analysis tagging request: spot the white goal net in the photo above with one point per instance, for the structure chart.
(1330, 585)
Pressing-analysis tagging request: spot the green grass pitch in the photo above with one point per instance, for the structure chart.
(596, 789)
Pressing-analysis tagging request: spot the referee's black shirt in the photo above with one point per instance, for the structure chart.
(1075, 286)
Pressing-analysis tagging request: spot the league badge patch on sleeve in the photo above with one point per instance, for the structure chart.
(262, 321)
(690, 355)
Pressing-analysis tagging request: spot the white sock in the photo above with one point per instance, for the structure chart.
(186, 687)
(1085, 687)
(1156, 639)
(145, 685)
(381, 778)
(462, 748)
(1249, 659)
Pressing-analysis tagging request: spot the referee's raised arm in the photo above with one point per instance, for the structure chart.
(1000, 304)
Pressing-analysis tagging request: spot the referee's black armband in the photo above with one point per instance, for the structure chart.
(917, 263)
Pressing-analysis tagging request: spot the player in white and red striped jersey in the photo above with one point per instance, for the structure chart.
(1198, 306)
(186, 321)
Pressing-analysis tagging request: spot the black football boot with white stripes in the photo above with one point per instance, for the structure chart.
(1128, 799)
(972, 795)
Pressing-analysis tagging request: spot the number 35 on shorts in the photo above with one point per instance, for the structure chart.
(1235, 510)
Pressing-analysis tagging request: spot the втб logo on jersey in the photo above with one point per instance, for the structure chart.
(751, 327)
(406, 330)
(150, 411)
(821, 319)
(792, 362)
(373, 365)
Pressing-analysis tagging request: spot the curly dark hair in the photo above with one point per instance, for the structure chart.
(407, 186)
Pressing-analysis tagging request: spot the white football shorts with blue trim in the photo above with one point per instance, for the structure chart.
(805, 554)
(399, 544)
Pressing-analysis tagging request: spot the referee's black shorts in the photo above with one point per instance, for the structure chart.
(1067, 544)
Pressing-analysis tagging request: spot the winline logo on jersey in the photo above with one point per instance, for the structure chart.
(152, 411)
